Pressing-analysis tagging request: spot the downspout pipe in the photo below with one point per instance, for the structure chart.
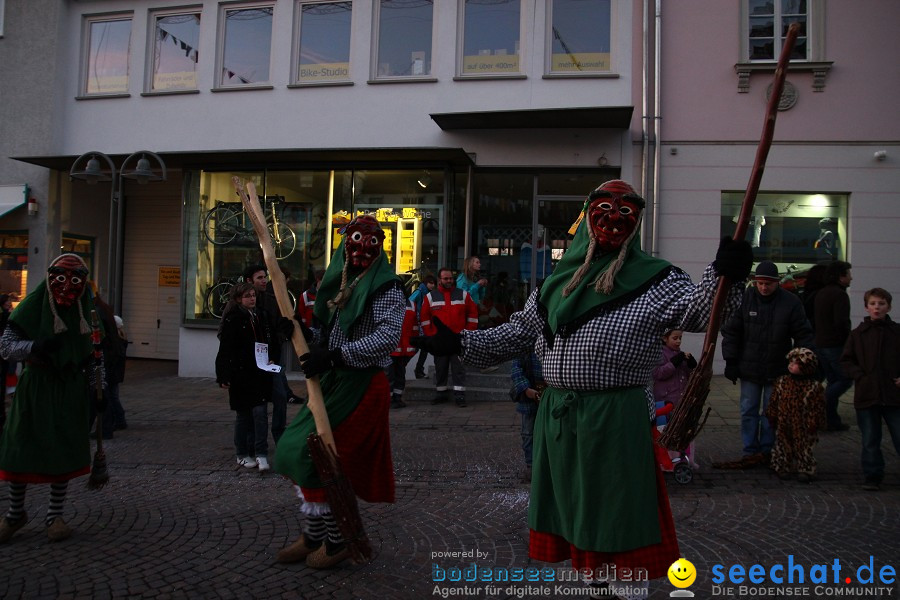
(645, 127)
(657, 39)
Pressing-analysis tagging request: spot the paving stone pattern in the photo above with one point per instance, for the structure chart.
(180, 519)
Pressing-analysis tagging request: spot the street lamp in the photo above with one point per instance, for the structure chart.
(92, 172)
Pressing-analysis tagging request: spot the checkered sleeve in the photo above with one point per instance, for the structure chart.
(13, 345)
(375, 335)
(487, 347)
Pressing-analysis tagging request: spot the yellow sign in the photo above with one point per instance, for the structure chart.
(324, 72)
(581, 61)
(169, 277)
(491, 63)
(107, 85)
(185, 80)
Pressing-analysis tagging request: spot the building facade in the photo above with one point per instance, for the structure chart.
(466, 127)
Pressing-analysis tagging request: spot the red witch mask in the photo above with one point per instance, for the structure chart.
(613, 214)
(66, 278)
(363, 241)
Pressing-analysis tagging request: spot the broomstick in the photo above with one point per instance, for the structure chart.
(323, 451)
(99, 475)
(688, 418)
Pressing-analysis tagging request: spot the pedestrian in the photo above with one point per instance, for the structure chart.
(457, 311)
(470, 280)
(796, 411)
(598, 496)
(401, 356)
(755, 340)
(872, 359)
(670, 377)
(280, 328)
(249, 387)
(5, 309)
(46, 436)
(360, 306)
(418, 298)
(832, 328)
(527, 385)
(114, 350)
(815, 281)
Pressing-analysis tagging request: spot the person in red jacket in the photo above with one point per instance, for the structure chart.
(455, 309)
(402, 353)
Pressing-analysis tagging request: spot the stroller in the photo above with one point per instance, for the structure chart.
(682, 464)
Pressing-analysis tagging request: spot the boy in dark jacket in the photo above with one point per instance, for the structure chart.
(872, 358)
(755, 340)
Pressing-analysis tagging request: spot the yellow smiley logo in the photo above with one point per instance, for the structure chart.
(682, 573)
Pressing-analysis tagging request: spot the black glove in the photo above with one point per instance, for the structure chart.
(442, 343)
(319, 360)
(733, 259)
(307, 332)
(692, 362)
(284, 327)
(732, 372)
(43, 348)
(678, 359)
(99, 403)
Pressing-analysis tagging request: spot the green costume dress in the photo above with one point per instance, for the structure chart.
(46, 436)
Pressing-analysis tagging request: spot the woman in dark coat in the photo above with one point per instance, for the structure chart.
(249, 386)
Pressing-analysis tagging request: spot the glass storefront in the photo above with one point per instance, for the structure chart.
(305, 211)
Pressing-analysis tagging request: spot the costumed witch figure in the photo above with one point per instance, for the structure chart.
(46, 438)
(598, 495)
(360, 304)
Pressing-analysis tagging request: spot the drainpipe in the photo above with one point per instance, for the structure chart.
(645, 134)
(657, 151)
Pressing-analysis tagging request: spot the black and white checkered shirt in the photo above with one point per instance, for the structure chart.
(616, 348)
(376, 332)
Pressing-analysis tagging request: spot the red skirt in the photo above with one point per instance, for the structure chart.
(363, 443)
(656, 559)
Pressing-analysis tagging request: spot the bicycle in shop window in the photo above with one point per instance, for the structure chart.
(227, 224)
(218, 295)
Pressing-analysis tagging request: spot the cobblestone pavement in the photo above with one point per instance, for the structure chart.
(180, 519)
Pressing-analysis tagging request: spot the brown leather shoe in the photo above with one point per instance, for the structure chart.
(320, 559)
(297, 551)
(58, 530)
(8, 528)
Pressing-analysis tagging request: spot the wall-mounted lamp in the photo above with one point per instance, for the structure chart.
(32, 206)
(424, 181)
(880, 154)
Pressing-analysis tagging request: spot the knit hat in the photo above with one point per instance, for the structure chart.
(766, 271)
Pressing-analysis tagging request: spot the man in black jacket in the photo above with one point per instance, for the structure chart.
(755, 341)
(832, 314)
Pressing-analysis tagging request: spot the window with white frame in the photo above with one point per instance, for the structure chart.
(174, 42)
(491, 31)
(2, 12)
(580, 36)
(107, 46)
(245, 45)
(767, 26)
(322, 42)
(403, 38)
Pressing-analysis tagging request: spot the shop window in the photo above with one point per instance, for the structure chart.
(14, 263)
(245, 45)
(491, 32)
(404, 38)
(105, 55)
(322, 42)
(795, 231)
(579, 37)
(175, 39)
(81, 245)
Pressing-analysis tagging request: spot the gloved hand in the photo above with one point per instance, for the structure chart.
(691, 362)
(42, 349)
(319, 360)
(732, 371)
(284, 327)
(99, 403)
(307, 332)
(733, 259)
(678, 359)
(442, 343)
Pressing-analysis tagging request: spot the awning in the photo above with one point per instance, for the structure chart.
(288, 158)
(608, 117)
(12, 197)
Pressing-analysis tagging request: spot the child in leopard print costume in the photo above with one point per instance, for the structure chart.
(796, 411)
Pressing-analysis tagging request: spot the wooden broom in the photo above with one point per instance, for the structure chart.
(688, 417)
(338, 490)
(99, 474)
